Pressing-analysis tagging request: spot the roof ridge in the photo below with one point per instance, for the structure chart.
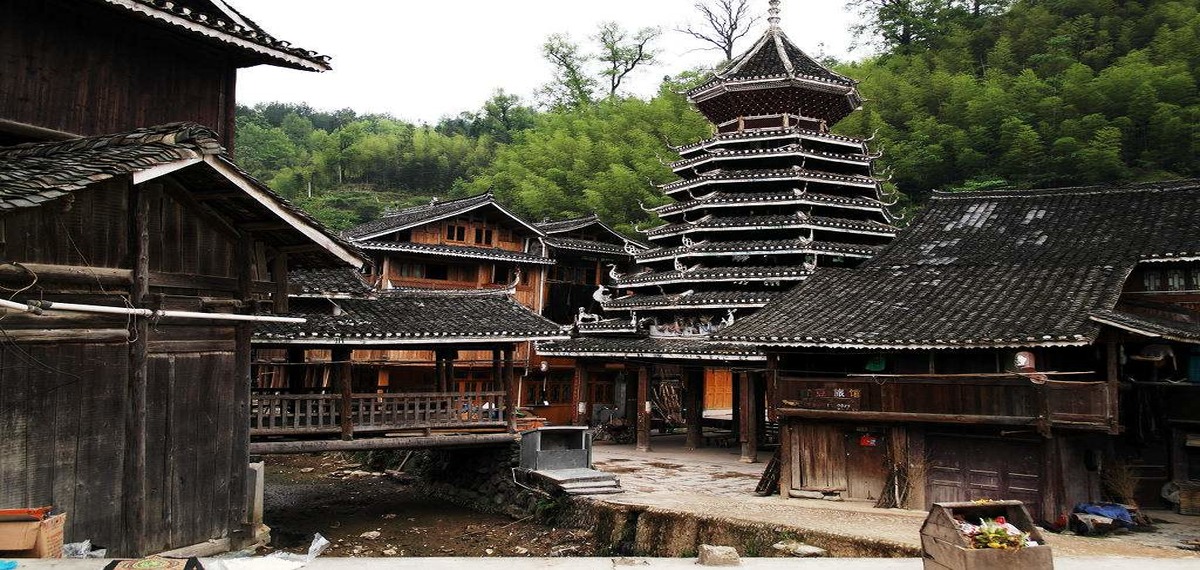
(1129, 187)
(180, 134)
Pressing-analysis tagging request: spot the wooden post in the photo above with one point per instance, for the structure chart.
(748, 417)
(448, 383)
(439, 372)
(295, 370)
(579, 395)
(785, 458)
(279, 268)
(510, 389)
(241, 529)
(735, 406)
(133, 484)
(695, 407)
(497, 370)
(772, 380)
(643, 409)
(341, 358)
(1112, 352)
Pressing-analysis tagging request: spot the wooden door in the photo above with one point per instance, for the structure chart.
(718, 389)
(866, 468)
(818, 457)
(970, 468)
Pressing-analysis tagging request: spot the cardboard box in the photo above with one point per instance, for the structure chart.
(33, 539)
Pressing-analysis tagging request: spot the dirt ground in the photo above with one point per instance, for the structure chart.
(380, 515)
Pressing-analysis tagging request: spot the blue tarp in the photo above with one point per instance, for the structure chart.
(1111, 510)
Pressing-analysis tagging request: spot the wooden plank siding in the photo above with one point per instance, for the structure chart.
(65, 406)
(127, 77)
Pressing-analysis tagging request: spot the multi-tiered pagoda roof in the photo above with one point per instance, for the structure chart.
(771, 198)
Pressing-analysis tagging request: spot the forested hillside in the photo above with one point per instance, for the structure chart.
(963, 94)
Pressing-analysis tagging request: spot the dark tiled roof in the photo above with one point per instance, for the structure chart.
(772, 222)
(560, 226)
(491, 253)
(774, 56)
(34, 173)
(219, 23)
(417, 215)
(625, 347)
(607, 326)
(1005, 268)
(328, 283)
(795, 149)
(1149, 326)
(710, 299)
(1111, 224)
(585, 245)
(936, 307)
(732, 199)
(763, 247)
(411, 317)
(782, 174)
(759, 135)
(709, 274)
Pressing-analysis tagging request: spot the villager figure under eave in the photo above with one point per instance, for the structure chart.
(770, 199)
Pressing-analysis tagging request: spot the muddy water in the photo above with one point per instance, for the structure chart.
(302, 498)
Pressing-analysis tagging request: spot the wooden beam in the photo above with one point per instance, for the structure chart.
(643, 408)
(267, 225)
(279, 270)
(133, 485)
(416, 442)
(30, 336)
(695, 407)
(341, 360)
(786, 453)
(748, 418)
(579, 395)
(965, 419)
(34, 131)
(510, 390)
(1113, 372)
(24, 273)
(240, 528)
(772, 380)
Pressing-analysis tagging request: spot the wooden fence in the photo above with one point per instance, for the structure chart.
(314, 414)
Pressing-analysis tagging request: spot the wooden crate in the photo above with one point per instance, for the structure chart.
(1189, 498)
(946, 548)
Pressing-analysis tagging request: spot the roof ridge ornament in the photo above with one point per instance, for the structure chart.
(773, 14)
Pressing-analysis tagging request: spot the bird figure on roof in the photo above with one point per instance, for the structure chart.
(728, 320)
(687, 293)
(612, 272)
(586, 317)
(810, 263)
(601, 294)
(678, 265)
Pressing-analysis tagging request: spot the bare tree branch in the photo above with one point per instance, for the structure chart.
(725, 22)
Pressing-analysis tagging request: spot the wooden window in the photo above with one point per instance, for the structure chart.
(456, 232)
(404, 236)
(436, 271)
(1176, 280)
(1152, 281)
(412, 270)
(483, 236)
(501, 275)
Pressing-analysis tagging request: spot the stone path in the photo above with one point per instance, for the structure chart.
(712, 482)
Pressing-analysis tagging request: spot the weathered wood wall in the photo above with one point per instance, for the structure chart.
(86, 70)
(69, 397)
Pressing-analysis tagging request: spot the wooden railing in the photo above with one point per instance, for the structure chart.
(312, 414)
(962, 399)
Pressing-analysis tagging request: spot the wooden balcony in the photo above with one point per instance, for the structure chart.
(347, 416)
(998, 399)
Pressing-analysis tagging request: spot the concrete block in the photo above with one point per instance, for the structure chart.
(718, 556)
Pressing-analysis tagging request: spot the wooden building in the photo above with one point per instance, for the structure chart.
(316, 380)
(469, 244)
(759, 207)
(89, 67)
(588, 255)
(1007, 345)
(135, 266)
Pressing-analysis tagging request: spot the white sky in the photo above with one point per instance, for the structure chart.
(420, 60)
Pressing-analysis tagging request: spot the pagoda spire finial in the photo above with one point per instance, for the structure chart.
(773, 14)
